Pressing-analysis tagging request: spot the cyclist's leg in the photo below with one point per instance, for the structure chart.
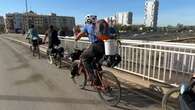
(33, 44)
(37, 46)
(87, 58)
(95, 50)
(49, 53)
(99, 52)
(33, 47)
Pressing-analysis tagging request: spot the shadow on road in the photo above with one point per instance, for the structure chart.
(48, 99)
(135, 100)
(18, 67)
(38, 78)
(31, 79)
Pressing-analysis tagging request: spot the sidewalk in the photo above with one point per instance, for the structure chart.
(144, 87)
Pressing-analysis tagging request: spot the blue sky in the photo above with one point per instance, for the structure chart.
(170, 11)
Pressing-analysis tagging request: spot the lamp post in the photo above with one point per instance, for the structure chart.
(26, 2)
(26, 25)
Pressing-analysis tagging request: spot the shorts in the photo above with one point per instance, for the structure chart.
(35, 43)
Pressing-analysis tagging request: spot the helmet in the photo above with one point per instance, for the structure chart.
(90, 18)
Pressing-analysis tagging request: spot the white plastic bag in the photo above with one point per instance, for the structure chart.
(111, 47)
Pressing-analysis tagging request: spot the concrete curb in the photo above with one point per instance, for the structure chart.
(126, 83)
(42, 48)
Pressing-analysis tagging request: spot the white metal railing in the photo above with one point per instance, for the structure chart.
(165, 62)
(160, 63)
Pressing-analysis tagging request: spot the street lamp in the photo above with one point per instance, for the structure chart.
(26, 2)
(26, 25)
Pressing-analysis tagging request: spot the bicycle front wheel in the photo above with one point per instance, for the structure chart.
(170, 100)
(110, 91)
(80, 77)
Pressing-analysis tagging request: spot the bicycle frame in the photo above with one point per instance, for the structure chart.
(101, 83)
(96, 73)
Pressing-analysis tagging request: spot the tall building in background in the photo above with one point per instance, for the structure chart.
(13, 22)
(123, 18)
(111, 20)
(16, 22)
(151, 13)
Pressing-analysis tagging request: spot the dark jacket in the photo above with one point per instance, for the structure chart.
(53, 39)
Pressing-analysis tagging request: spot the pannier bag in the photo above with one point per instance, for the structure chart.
(61, 51)
(110, 60)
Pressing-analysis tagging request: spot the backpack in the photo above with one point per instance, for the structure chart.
(61, 51)
(76, 55)
(55, 38)
(102, 30)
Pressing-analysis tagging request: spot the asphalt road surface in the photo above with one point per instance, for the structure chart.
(29, 83)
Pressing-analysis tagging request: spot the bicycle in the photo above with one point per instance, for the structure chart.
(56, 55)
(179, 98)
(105, 82)
(34, 47)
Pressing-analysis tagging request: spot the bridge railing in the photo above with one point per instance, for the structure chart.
(165, 62)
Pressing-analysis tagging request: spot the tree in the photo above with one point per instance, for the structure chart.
(2, 29)
(118, 27)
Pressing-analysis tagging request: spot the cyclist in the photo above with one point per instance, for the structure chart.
(33, 36)
(53, 41)
(96, 48)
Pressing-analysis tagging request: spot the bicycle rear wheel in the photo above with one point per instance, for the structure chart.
(170, 100)
(110, 91)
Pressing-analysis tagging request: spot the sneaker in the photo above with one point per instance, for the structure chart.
(50, 60)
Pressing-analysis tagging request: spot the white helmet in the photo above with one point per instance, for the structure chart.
(90, 18)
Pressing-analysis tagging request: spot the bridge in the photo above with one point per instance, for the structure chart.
(145, 66)
(165, 62)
